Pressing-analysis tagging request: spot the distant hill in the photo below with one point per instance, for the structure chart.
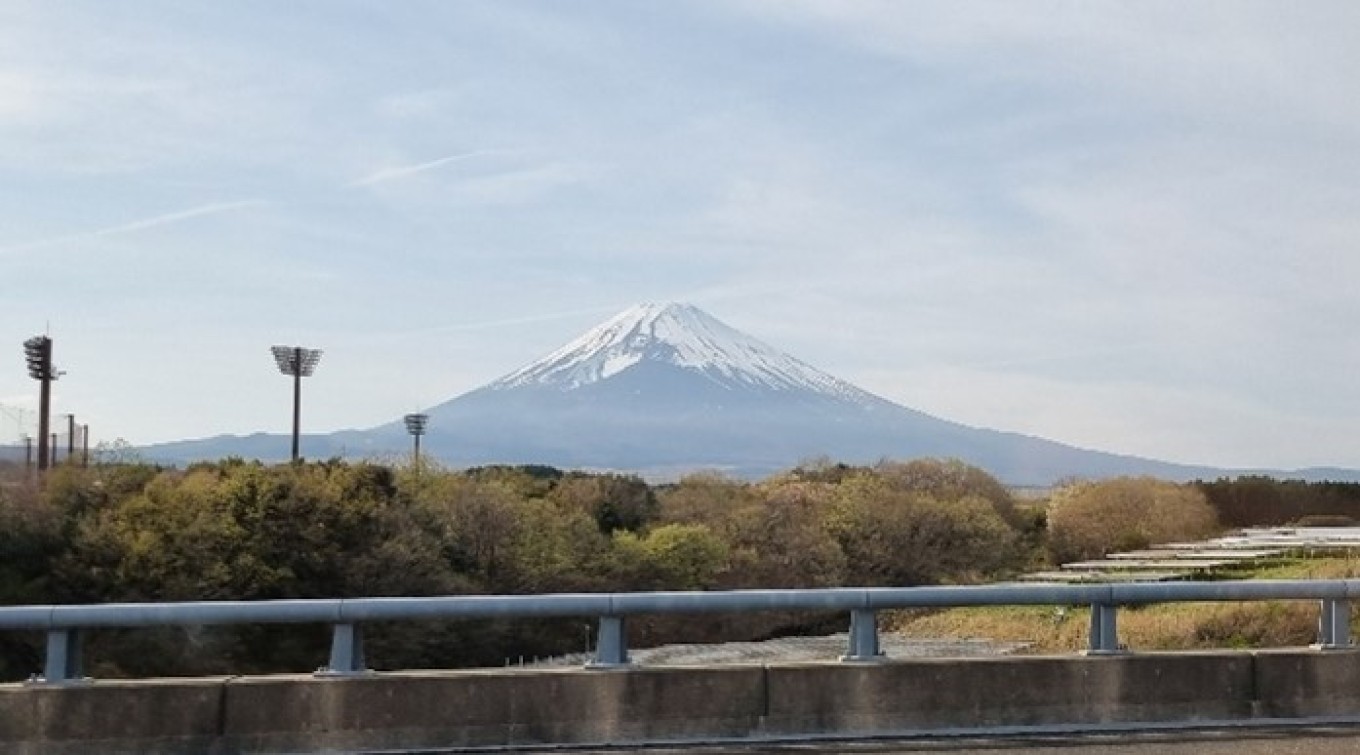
(662, 389)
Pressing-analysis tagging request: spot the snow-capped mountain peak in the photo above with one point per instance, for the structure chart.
(681, 335)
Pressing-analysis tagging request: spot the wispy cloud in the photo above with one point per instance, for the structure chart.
(169, 218)
(175, 217)
(526, 320)
(1058, 218)
(392, 174)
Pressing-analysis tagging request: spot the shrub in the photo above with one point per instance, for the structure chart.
(1090, 519)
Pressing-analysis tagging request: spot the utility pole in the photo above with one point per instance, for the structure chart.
(85, 445)
(70, 437)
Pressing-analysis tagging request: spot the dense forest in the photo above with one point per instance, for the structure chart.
(130, 531)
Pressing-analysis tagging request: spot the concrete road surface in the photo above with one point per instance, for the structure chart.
(1288, 741)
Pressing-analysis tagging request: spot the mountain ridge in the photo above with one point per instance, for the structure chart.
(668, 386)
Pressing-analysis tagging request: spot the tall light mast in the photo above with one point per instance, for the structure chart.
(299, 362)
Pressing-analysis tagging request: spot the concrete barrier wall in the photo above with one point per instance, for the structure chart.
(936, 694)
(510, 707)
(451, 709)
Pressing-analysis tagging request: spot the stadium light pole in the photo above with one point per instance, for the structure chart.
(38, 355)
(299, 362)
(415, 425)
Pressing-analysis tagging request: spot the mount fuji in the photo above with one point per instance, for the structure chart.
(662, 389)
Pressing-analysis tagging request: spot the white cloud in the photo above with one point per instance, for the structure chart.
(1140, 206)
(523, 185)
(18, 99)
(404, 171)
(1250, 55)
(1194, 426)
(134, 226)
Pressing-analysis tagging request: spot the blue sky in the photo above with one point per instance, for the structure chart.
(1126, 226)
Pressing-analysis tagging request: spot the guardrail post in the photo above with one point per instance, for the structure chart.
(611, 646)
(1334, 625)
(1104, 635)
(863, 637)
(347, 651)
(63, 657)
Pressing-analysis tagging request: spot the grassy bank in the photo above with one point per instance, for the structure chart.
(1177, 626)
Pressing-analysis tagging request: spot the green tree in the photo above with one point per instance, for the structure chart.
(778, 540)
(615, 502)
(669, 557)
(893, 535)
(31, 537)
(949, 480)
(704, 498)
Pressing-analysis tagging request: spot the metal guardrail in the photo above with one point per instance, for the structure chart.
(64, 624)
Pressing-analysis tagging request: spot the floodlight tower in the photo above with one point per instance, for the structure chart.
(38, 354)
(415, 425)
(299, 362)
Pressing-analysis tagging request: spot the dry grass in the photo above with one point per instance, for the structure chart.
(1173, 626)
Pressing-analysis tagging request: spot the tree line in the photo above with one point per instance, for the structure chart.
(238, 530)
(1257, 500)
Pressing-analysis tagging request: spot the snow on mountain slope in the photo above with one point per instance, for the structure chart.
(683, 336)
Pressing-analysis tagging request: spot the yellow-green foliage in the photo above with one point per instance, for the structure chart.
(671, 556)
(1090, 519)
(1172, 626)
(1166, 627)
(895, 535)
(778, 539)
(948, 480)
(245, 531)
(240, 530)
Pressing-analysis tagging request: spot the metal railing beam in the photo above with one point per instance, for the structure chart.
(64, 624)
